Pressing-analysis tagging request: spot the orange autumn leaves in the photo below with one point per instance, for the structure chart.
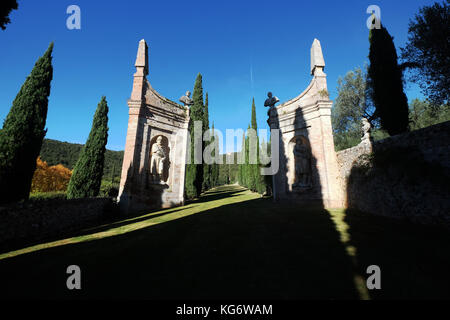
(50, 178)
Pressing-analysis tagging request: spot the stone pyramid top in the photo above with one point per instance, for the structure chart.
(316, 56)
(142, 56)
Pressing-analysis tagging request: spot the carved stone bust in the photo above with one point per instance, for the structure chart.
(270, 101)
(186, 99)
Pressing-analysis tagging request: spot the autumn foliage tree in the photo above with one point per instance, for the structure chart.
(50, 178)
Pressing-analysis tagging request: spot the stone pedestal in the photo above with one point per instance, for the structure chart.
(152, 116)
(308, 170)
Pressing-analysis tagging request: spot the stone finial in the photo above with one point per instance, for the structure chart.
(142, 57)
(317, 60)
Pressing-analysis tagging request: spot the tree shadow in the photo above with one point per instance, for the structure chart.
(249, 250)
(389, 193)
(414, 260)
(218, 195)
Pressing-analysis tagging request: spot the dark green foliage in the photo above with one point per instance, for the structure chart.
(242, 165)
(349, 108)
(57, 152)
(88, 171)
(214, 168)
(23, 131)
(194, 172)
(5, 8)
(206, 114)
(206, 167)
(109, 190)
(427, 51)
(385, 83)
(229, 173)
(249, 174)
(422, 114)
(254, 124)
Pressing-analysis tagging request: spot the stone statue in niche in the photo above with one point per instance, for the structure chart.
(302, 157)
(186, 99)
(158, 160)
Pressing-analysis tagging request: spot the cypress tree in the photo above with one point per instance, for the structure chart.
(24, 130)
(88, 171)
(206, 167)
(215, 166)
(194, 172)
(254, 168)
(385, 83)
(247, 172)
(249, 175)
(254, 124)
(242, 165)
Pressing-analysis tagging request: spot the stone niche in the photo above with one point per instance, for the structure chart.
(153, 168)
(308, 170)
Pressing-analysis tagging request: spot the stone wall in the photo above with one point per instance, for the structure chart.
(406, 176)
(34, 220)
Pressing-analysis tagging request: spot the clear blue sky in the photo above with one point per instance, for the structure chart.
(242, 48)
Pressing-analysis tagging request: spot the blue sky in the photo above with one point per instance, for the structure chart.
(242, 48)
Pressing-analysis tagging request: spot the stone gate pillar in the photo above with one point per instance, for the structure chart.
(308, 170)
(153, 168)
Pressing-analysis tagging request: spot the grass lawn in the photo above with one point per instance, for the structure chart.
(232, 243)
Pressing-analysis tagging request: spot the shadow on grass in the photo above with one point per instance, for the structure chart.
(216, 195)
(414, 259)
(252, 249)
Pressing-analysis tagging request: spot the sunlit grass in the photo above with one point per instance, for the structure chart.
(338, 217)
(146, 220)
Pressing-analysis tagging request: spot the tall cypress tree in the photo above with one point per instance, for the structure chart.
(206, 167)
(247, 171)
(254, 168)
(254, 124)
(194, 172)
(23, 131)
(88, 171)
(249, 174)
(385, 83)
(242, 165)
(215, 166)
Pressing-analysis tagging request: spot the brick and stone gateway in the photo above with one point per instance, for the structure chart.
(153, 169)
(306, 120)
